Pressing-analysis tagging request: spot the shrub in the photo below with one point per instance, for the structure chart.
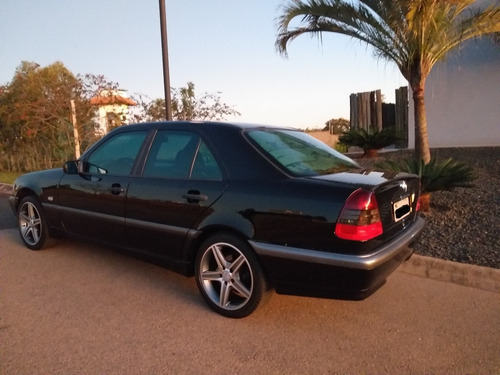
(437, 175)
(369, 140)
(340, 147)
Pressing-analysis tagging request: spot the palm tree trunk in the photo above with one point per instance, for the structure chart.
(422, 150)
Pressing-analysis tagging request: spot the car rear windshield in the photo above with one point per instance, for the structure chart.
(299, 153)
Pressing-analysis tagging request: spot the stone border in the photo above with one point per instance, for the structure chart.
(470, 275)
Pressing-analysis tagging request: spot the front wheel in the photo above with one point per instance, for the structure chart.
(32, 224)
(229, 276)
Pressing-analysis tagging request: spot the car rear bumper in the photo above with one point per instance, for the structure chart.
(322, 274)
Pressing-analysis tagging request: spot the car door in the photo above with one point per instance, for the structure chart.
(180, 181)
(92, 202)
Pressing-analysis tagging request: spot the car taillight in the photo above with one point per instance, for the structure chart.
(418, 204)
(359, 219)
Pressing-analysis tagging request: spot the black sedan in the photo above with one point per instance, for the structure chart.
(244, 208)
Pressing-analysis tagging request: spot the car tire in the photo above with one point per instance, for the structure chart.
(229, 276)
(33, 225)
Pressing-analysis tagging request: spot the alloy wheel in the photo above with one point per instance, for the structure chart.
(30, 223)
(229, 276)
(226, 276)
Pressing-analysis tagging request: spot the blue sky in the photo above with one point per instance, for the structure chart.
(224, 46)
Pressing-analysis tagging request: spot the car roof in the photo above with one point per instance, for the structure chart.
(180, 124)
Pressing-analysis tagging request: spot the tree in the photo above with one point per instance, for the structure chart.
(415, 34)
(98, 91)
(337, 126)
(186, 107)
(36, 131)
(35, 117)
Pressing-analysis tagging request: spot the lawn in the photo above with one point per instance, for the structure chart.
(8, 177)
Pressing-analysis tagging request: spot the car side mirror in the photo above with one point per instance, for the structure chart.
(71, 167)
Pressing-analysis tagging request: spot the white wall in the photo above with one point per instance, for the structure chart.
(118, 108)
(463, 98)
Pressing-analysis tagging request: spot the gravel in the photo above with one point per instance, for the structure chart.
(463, 225)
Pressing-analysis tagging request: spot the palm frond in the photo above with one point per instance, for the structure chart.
(415, 34)
(369, 140)
(436, 175)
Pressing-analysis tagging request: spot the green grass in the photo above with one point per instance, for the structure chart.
(8, 177)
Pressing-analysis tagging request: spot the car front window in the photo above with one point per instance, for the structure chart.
(299, 153)
(117, 155)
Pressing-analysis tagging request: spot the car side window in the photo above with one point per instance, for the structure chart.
(205, 166)
(117, 155)
(181, 155)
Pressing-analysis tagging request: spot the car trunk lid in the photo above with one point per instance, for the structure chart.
(396, 193)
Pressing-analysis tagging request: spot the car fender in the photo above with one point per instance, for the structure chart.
(44, 186)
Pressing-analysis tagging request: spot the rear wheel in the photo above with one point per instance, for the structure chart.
(229, 276)
(32, 224)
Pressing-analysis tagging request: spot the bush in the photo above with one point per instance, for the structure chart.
(437, 175)
(369, 140)
(341, 148)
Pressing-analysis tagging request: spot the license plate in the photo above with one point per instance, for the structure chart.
(401, 209)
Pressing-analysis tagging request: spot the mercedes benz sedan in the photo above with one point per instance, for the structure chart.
(242, 208)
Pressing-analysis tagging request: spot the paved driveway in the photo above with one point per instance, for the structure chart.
(81, 309)
(7, 217)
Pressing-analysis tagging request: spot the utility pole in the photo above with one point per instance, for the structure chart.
(164, 49)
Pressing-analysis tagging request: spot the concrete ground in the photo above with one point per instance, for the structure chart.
(82, 309)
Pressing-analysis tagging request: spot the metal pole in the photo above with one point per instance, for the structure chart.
(164, 49)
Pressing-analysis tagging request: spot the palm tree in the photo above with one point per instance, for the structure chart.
(415, 34)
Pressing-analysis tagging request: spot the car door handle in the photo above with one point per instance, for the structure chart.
(195, 197)
(116, 189)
